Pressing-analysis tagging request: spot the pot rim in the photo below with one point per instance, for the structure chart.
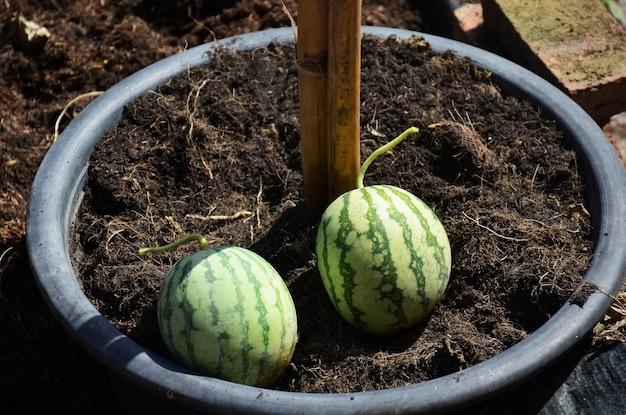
(56, 194)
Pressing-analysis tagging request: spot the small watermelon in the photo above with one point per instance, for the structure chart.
(228, 313)
(383, 255)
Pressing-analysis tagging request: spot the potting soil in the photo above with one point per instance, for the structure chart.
(216, 151)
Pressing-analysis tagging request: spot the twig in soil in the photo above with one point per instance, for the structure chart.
(113, 235)
(458, 113)
(456, 351)
(148, 209)
(470, 121)
(177, 228)
(67, 107)
(237, 215)
(294, 25)
(192, 114)
(117, 232)
(258, 203)
(532, 182)
(537, 221)
(499, 235)
(207, 167)
(257, 210)
(539, 285)
(451, 114)
(483, 180)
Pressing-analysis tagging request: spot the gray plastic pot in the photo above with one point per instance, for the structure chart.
(56, 194)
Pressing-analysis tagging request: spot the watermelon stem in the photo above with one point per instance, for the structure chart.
(382, 150)
(202, 242)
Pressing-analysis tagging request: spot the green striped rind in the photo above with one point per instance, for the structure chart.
(228, 313)
(384, 258)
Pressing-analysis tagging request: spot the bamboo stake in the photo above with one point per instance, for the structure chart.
(344, 85)
(312, 55)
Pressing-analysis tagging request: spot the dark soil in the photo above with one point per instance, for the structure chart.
(391, 13)
(94, 44)
(492, 167)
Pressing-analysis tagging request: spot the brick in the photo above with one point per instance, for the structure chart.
(470, 28)
(577, 45)
(615, 130)
(470, 17)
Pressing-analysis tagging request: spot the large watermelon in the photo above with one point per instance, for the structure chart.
(383, 255)
(228, 313)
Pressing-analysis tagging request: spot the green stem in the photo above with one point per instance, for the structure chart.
(382, 150)
(203, 243)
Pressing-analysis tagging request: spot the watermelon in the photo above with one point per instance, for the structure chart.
(384, 256)
(229, 314)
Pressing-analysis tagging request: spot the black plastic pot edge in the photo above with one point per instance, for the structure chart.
(56, 191)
